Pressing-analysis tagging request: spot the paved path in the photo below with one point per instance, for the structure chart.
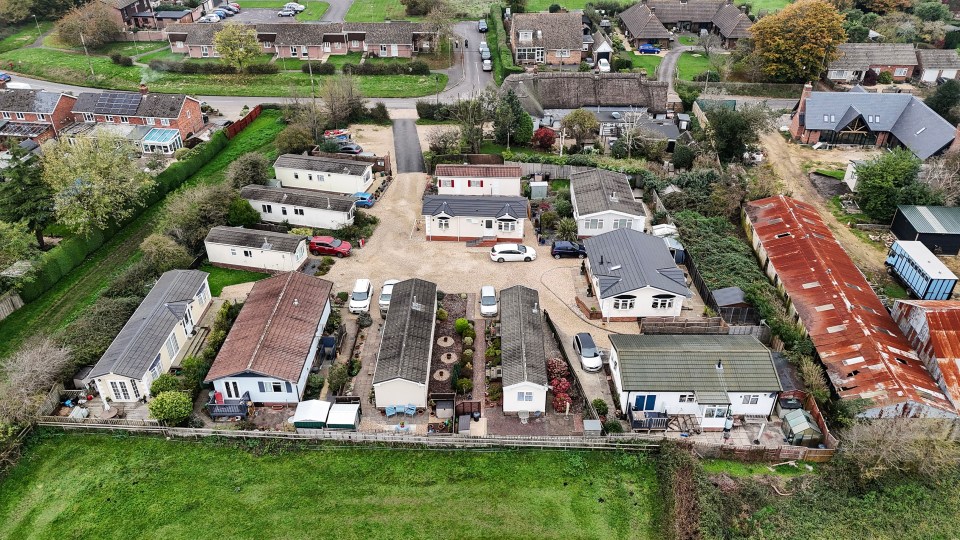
(337, 11)
(668, 66)
(407, 146)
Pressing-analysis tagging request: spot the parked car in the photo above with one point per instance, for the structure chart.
(229, 8)
(234, 4)
(349, 148)
(512, 252)
(482, 26)
(360, 297)
(562, 248)
(485, 54)
(286, 13)
(328, 245)
(482, 45)
(488, 301)
(603, 65)
(208, 19)
(590, 359)
(222, 13)
(384, 300)
(293, 6)
(647, 48)
(589, 61)
(487, 65)
(5, 77)
(364, 200)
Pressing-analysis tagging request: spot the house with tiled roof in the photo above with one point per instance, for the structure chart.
(36, 115)
(129, 13)
(864, 118)
(934, 64)
(897, 59)
(641, 26)
(164, 113)
(603, 201)
(253, 249)
(555, 39)
(655, 21)
(271, 347)
(320, 173)
(478, 179)
(301, 207)
(524, 357)
(461, 218)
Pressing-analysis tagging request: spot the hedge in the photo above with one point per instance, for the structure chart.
(262, 69)
(70, 253)
(207, 68)
(367, 68)
(499, 50)
(578, 160)
(429, 110)
(319, 68)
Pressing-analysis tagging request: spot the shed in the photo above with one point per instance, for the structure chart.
(538, 190)
(344, 416)
(800, 429)
(311, 414)
(591, 428)
(730, 297)
(924, 275)
(938, 227)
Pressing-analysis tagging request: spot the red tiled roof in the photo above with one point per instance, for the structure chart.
(479, 171)
(275, 329)
(938, 341)
(865, 353)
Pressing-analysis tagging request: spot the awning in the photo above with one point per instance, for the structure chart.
(712, 397)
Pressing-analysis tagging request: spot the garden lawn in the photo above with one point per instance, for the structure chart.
(70, 68)
(377, 11)
(340, 59)
(756, 6)
(544, 5)
(224, 277)
(23, 35)
(691, 64)
(132, 486)
(649, 62)
(131, 48)
(688, 40)
(314, 12)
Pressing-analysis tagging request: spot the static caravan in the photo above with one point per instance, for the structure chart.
(924, 275)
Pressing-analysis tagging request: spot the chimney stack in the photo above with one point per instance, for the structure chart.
(144, 90)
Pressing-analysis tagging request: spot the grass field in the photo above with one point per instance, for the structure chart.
(377, 11)
(644, 61)
(315, 9)
(22, 35)
(765, 5)
(691, 64)
(70, 68)
(107, 487)
(224, 277)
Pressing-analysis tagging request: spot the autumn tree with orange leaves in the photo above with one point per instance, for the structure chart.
(796, 43)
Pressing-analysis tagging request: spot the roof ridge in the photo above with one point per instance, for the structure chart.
(267, 326)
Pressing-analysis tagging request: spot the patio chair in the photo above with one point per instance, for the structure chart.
(391, 411)
(411, 410)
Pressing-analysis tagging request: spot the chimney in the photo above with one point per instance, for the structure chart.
(144, 90)
(296, 302)
(807, 90)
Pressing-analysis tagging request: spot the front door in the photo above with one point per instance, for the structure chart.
(188, 322)
(326, 46)
(394, 50)
(488, 228)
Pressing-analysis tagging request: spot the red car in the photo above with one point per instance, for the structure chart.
(328, 245)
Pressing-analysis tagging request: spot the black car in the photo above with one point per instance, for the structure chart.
(562, 248)
(482, 26)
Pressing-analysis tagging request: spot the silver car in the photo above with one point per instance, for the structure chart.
(488, 301)
(384, 300)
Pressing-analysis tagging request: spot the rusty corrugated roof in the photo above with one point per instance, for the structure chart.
(864, 351)
(933, 328)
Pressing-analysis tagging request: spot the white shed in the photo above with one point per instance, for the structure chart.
(311, 414)
(250, 249)
(344, 416)
(301, 207)
(524, 359)
(323, 173)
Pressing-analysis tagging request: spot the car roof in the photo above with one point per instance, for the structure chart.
(586, 339)
(488, 290)
(390, 283)
(361, 284)
(506, 246)
(323, 238)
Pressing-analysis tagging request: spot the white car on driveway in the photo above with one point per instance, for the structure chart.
(360, 297)
(384, 300)
(603, 65)
(590, 359)
(488, 301)
(512, 252)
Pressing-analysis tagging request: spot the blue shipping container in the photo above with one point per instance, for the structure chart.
(924, 275)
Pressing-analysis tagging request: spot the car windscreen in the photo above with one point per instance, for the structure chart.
(359, 296)
(488, 300)
(384, 297)
(336, 243)
(522, 249)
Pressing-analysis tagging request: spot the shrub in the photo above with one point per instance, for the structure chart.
(548, 220)
(683, 156)
(555, 8)
(621, 64)
(354, 367)
(171, 408)
(262, 69)
(441, 295)
(338, 377)
(378, 113)
(242, 214)
(612, 426)
(470, 332)
(164, 383)
(557, 369)
(126, 61)
(560, 402)
(181, 154)
(560, 386)
(441, 314)
(418, 67)
(885, 77)
(314, 385)
(429, 110)
(342, 296)
(89, 336)
(600, 406)
(467, 354)
(461, 325)
(464, 386)
(115, 57)
(468, 341)
(544, 138)
(364, 320)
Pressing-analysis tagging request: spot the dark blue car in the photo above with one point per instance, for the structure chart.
(561, 248)
(5, 77)
(647, 48)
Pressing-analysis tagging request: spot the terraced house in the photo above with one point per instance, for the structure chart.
(653, 21)
(36, 115)
(312, 41)
(855, 59)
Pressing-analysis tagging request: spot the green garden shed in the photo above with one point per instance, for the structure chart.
(311, 414)
(800, 429)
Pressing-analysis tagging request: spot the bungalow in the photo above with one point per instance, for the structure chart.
(467, 217)
(699, 381)
(935, 64)
(641, 26)
(406, 346)
(323, 173)
(478, 179)
(163, 111)
(524, 357)
(933, 328)
(634, 275)
(272, 345)
(250, 249)
(546, 38)
(30, 111)
(603, 201)
(153, 338)
(897, 59)
(650, 20)
(303, 208)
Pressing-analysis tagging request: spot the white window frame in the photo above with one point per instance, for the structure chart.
(6, 115)
(178, 44)
(283, 210)
(298, 211)
(119, 390)
(172, 344)
(233, 251)
(204, 51)
(231, 389)
(124, 119)
(202, 294)
(293, 50)
(267, 45)
(524, 396)
(624, 303)
(443, 224)
(525, 35)
(383, 49)
(164, 121)
(623, 223)
(662, 303)
(89, 117)
(354, 43)
(446, 182)
(687, 398)
(563, 53)
(751, 399)
(267, 208)
(136, 388)
(20, 116)
(506, 225)
(900, 72)
(109, 118)
(155, 368)
(275, 387)
(304, 51)
(715, 411)
(475, 183)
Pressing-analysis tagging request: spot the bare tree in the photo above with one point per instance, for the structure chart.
(708, 42)
(942, 174)
(28, 375)
(342, 98)
(892, 446)
(445, 140)
(440, 19)
(472, 114)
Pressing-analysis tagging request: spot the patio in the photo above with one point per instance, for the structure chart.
(96, 409)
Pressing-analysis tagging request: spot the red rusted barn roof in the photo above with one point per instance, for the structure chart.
(933, 328)
(864, 351)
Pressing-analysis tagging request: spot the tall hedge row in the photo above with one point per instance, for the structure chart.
(57, 263)
(499, 49)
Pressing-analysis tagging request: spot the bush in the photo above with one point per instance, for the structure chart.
(318, 68)
(600, 406)
(342, 296)
(314, 385)
(242, 214)
(181, 154)
(468, 341)
(171, 408)
(418, 67)
(544, 138)
(612, 426)
(885, 77)
(428, 110)
(89, 336)
(555, 8)
(441, 295)
(468, 354)
(441, 314)
(683, 156)
(262, 69)
(364, 320)
(557, 369)
(353, 366)
(461, 325)
(560, 386)
(338, 377)
(115, 57)
(560, 402)
(470, 332)
(621, 64)
(188, 67)
(379, 114)
(164, 383)
(548, 220)
(464, 386)
(126, 61)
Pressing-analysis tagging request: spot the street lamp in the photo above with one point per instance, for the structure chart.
(39, 33)
(437, 78)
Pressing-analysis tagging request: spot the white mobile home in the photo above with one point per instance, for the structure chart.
(300, 207)
(323, 173)
(403, 361)
(603, 201)
(468, 217)
(524, 359)
(250, 249)
(478, 179)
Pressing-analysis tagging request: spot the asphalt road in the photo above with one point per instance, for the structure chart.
(337, 10)
(406, 145)
(668, 66)
(474, 79)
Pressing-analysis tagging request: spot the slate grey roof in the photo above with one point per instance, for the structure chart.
(394, 32)
(161, 105)
(643, 23)
(321, 164)
(20, 100)
(914, 124)
(557, 30)
(130, 104)
(252, 238)
(676, 363)
(136, 346)
(624, 260)
(521, 317)
(177, 15)
(490, 206)
(860, 56)
(932, 219)
(407, 342)
(322, 200)
(599, 190)
(938, 58)
(731, 22)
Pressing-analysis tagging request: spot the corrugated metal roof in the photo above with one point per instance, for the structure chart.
(679, 363)
(932, 219)
(406, 346)
(479, 171)
(524, 356)
(933, 328)
(625, 260)
(865, 353)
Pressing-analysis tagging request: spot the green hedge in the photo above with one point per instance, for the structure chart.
(69, 254)
(499, 49)
(579, 160)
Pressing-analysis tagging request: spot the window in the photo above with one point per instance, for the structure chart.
(624, 302)
(524, 396)
(109, 119)
(202, 294)
(172, 345)
(443, 224)
(310, 177)
(383, 50)
(298, 211)
(164, 122)
(838, 74)
(623, 224)
(296, 176)
(446, 183)
(293, 50)
(526, 36)
(283, 210)
(276, 387)
(136, 389)
(563, 53)
(900, 72)
(474, 183)
(354, 43)
(337, 45)
(267, 209)
(662, 301)
(155, 368)
(232, 390)
(267, 45)
(124, 119)
(119, 389)
(204, 51)
(43, 117)
(20, 116)
(247, 253)
(87, 117)
(715, 411)
(593, 223)
(7, 115)
(179, 44)
(751, 399)
(688, 398)
(233, 251)
(303, 51)
(150, 121)
(529, 54)
(319, 178)
(507, 226)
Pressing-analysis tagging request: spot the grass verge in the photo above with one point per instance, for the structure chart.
(691, 64)
(377, 11)
(314, 12)
(22, 35)
(224, 277)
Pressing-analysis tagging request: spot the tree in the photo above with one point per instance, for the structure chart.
(945, 101)
(294, 139)
(343, 100)
(881, 180)
(517, 6)
(472, 114)
(683, 156)
(171, 408)
(544, 138)
(580, 124)
(16, 244)
(94, 180)
(942, 174)
(418, 8)
(567, 229)
(250, 168)
(338, 377)
(885, 6)
(440, 19)
(511, 124)
(191, 214)
(237, 45)
(895, 447)
(443, 140)
(90, 335)
(164, 383)
(14, 11)
(92, 24)
(162, 253)
(708, 42)
(870, 78)
(242, 214)
(732, 131)
(797, 42)
(24, 196)
(857, 33)
(932, 11)
(27, 376)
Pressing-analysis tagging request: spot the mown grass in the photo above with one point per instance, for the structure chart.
(756, 6)
(377, 11)
(125, 487)
(21, 35)
(832, 173)
(130, 48)
(544, 5)
(314, 12)
(649, 62)
(691, 64)
(737, 468)
(71, 68)
(224, 277)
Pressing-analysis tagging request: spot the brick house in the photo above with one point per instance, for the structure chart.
(897, 59)
(650, 21)
(125, 12)
(555, 39)
(162, 111)
(937, 63)
(37, 115)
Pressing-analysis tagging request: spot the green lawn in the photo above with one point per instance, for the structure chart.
(124, 487)
(130, 48)
(70, 68)
(544, 5)
(648, 62)
(377, 11)
(691, 64)
(688, 40)
(315, 8)
(22, 35)
(224, 277)
(832, 173)
(765, 5)
(340, 59)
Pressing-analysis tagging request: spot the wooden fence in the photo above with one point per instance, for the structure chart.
(10, 301)
(554, 171)
(680, 325)
(238, 126)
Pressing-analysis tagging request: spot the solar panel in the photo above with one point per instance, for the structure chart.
(123, 104)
